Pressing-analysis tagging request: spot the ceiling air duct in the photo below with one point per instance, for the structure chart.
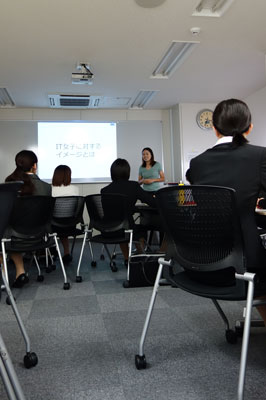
(73, 101)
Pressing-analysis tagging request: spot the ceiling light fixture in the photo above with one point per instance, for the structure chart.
(149, 3)
(173, 58)
(6, 100)
(143, 98)
(212, 8)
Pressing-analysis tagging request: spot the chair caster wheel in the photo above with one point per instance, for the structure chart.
(239, 331)
(94, 264)
(126, 284)
(113, 266)
(40, 278)
(8, 301)
(102, 257)
(231, 336)
(78, 278)
(140, 362)
(30, 360)
(66, 286)
(48, 269)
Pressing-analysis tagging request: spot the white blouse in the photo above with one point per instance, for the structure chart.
(70, 190)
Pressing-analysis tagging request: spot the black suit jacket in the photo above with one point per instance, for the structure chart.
(133, 191)
(243, 169)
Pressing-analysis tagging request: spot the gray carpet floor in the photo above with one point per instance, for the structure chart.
(86, 339)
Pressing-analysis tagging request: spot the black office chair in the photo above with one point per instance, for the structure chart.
(30, 224)
(109, 215)
(67, 218)
(8, 194)
(205, 256)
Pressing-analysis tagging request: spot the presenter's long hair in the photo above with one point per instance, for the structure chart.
(152, 157)
(232, 118)
(62, 176)
(25, 161)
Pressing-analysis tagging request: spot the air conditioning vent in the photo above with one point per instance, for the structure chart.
(81, 101)
(73, 101)
(66, 102)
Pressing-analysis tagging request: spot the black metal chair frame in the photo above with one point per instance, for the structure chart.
(31, 231)
(109, 215)
(8, 194)
(67, 215)
(217, 247)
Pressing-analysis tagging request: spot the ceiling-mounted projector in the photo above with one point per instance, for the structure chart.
(83, 76)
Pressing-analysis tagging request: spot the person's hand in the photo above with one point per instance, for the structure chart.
(257, 205)
(147, 181)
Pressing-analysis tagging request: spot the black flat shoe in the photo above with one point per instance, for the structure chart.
(20, 281)
(67, 258)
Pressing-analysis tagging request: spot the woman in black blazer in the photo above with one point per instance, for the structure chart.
(120, 172)
(234, 163)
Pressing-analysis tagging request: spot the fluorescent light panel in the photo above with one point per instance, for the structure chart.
(173, 58)
(143, 98)
(212, 8)
(6, 100)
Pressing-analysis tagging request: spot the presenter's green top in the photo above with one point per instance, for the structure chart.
(152, 173)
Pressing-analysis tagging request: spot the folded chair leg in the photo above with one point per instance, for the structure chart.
(78, 276)
(4, 260)
(9, 376)
(73, 245)
(129, 253)
(40, 277)
(245, 341)
(140, 360)
(66, 283)
(48, 255)
(30, 359)
(112, 263)
(93, 262)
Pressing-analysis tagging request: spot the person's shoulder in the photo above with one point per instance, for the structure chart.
(36, 177)
(106, 188)
(201, 155)
(74, 189)
(157, 164)
(133, 183)
(253, 147)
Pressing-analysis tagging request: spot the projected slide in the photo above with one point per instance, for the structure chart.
(87, 148)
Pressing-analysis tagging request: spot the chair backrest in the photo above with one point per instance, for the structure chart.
(32, 215)
(108, 212)
(68, 211)
(203, 226)
(8, 194)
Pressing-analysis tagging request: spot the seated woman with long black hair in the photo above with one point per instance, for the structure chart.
(26, 167)
(235, 163)
(120, 172)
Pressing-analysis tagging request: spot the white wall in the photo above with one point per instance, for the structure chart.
(257, 105)
(193, 140)
(14, 134)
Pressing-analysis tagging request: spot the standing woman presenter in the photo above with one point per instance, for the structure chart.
(150, 172)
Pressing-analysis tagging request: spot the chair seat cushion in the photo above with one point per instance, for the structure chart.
(185, 282)
(18, 245)
(109, 239)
